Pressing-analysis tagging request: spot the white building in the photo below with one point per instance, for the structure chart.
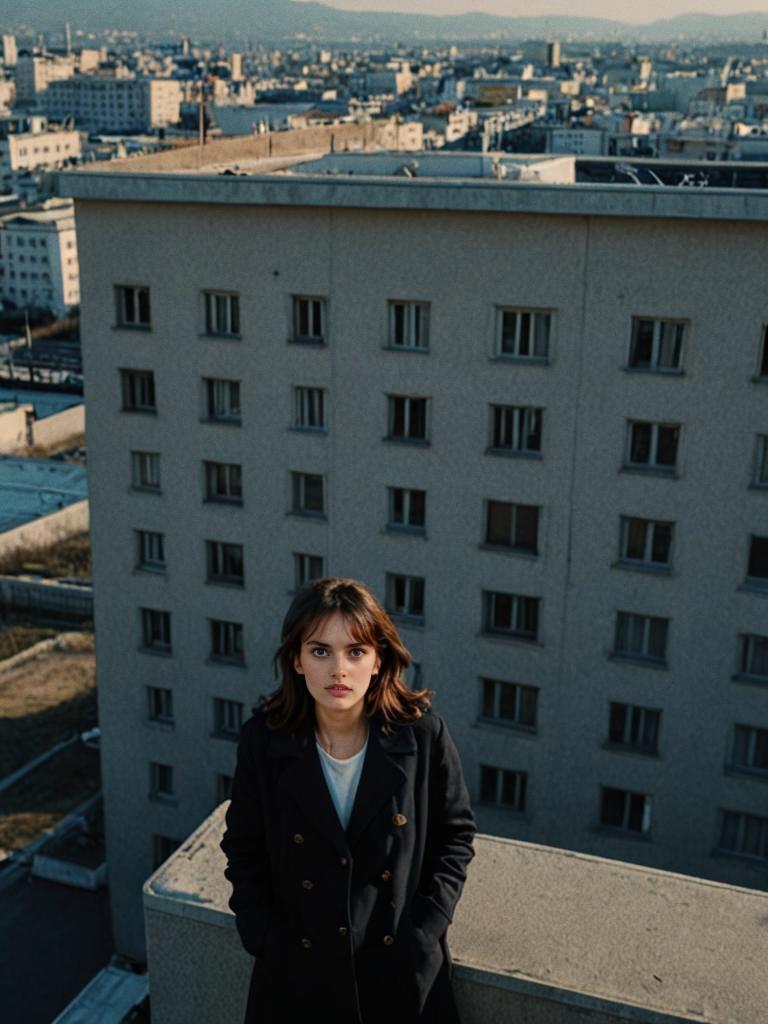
(10, 53)
(35, 72)
(28, 151)
(109, 104)
(531, 416)
(38, 257)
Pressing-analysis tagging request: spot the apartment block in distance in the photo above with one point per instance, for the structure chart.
(104, 103)
(532, 416)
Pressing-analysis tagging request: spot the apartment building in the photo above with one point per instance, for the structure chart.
(531, 416)
(36, 71)
(101, 103)
(38, 257)
(28, 151)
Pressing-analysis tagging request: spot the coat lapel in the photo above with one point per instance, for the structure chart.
(302, 782)
(383, 775)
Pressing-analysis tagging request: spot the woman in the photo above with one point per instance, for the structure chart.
(349, 830)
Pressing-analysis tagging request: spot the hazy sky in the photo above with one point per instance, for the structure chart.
(621, 10)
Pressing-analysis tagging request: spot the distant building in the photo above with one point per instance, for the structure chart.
(38, 257)
(553, 54)
(35, 72)
(579, 140)
(115, 104)
(236, 66)
(29, 150)
(10, 53)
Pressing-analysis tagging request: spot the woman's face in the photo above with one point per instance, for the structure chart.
(336, 667)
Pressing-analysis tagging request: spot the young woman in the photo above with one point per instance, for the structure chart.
(349, 830)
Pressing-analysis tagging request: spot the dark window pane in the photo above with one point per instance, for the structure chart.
(662, 540)
(313, 493)
(635, 542)
(527, 527)
(612, 809)
(418, 508)
(636, 807)
(764, 360)
(488, 784)
(657, 638)
(525, 334)
(418, 424)
(616, 721)
(640, 445)
(397, 406)
(758, 558)
(398, 505)
(508, 701)
(666, 454)
(499, 523)
(642, 344)
(502, 611)
(489, 690)
(528, 703)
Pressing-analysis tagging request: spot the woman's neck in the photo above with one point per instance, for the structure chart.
(341, 735)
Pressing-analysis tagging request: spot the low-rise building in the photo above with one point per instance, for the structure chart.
(38, 257)
(101, 103)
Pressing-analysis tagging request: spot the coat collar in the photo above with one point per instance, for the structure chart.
(382, 778)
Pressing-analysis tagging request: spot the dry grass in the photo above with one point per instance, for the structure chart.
(47, 694)
(69, 557)
(14, 639)
(45, 796)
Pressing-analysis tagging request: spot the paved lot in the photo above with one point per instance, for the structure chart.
(54, 940)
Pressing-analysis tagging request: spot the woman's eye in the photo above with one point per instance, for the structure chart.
(357, 652)
(320, 651)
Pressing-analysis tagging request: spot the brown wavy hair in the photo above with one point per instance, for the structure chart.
(289, 706)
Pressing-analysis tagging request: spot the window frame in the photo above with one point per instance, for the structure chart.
(161, 781)
(144, 540)
(415, 327)
(138, 293)
(228, 637)
(213, 474)
(209, 401)
(137, 391)
(512, 547)
(646, 563)
(518, 613)
(409, 414)
(139, 461)
(527, 421)
(160, 705)
(654, 366)
(756, 742)
(405, 525)
(225, 709)
(741, 824)
(519, 312)
(156, 634)
(414, 597)
(503, 776)
(626, 654)
(747, 656)
(299, 495)
(759, 581)
(213, 306)
(646, 818)
(296, 337)
(521, 693)
(219, 554)
(760, 467)
(309, 404)
(653, 465)
(302, 568)
(636, 720)
(761, 373)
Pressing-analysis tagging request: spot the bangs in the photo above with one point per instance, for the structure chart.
(360, 625)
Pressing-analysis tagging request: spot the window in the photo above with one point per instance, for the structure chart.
(138, 388)
(516, 429)
(227, 642)
(754, 657)
(414, 676)
(409, 325)
(223, 787)
(308, 319)
(156, 630)
(511, 615)
(223, 482)
(227, 717)
(763, 366)
(523, 334)
(508, 703)
(621, 809)
(652, 445)
(222, 400)
(645, 543)
(306, 568)
(308, 408)
(160, 704)
(405, 596)
(150, 551)
(512, 526)
(222, 313)
(132, 306)
(634, 727)
(656, 345)
(407, 508)
(502, 787)
(160, 780)
(224, 563)
(757, 567)
(307, 494)
(407, 418)
(145, 471)
(750, 748)
(760, 478)
(642, 637)
(162, 848)
(744, 834)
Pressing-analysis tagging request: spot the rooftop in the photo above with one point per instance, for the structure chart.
(541, 934)
(31, 488)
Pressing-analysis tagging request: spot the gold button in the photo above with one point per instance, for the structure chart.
(306, 884)
(343, 862)
(386, 875)
(298, 838)
(343, 931)
(388, 940)
(306, 943)
(399, 820)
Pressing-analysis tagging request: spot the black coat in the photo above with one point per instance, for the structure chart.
(348, 927)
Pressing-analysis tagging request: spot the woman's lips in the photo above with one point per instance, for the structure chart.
(338, 689)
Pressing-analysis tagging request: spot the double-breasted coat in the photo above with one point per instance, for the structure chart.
(348, 926)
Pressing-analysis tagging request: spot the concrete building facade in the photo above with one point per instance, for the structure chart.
(532, 417)
(30, 150)
(99, 103)
(35, 72)
(38, 257)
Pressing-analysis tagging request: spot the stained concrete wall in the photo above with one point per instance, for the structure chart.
(48, 529)
(62, 425)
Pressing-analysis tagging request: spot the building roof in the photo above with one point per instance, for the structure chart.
(32, 488)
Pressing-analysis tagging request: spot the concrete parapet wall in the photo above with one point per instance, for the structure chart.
(541, 936)
(48, 529)
(13, 429)
(59, 427)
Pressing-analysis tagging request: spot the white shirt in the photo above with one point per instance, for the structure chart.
(342, 778)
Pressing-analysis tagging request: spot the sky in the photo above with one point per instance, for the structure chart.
(619, 10)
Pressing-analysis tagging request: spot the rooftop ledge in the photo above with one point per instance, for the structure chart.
(541, 935)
